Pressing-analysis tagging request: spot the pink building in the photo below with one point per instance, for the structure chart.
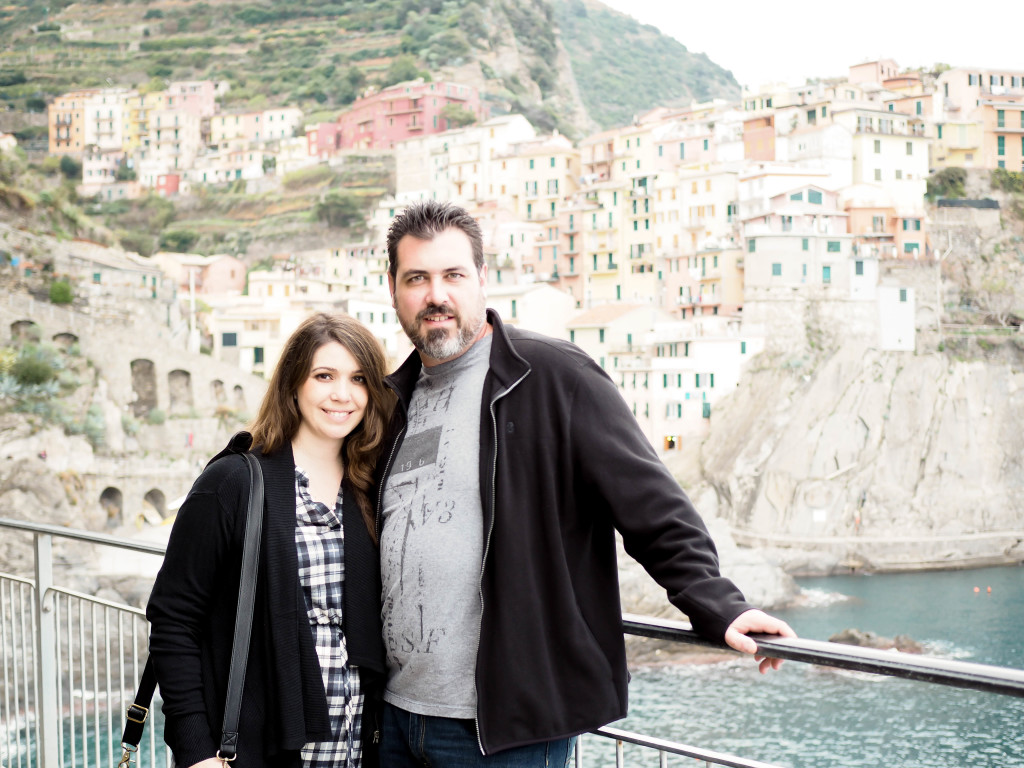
(197, 97)
(324, 139)
(404, 111)
(167, 184)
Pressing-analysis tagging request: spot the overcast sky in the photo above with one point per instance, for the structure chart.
(791, 40)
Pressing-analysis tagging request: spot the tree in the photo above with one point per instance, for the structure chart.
(401, 69)
(340, 209)
(178, 240)
(61, 293)
(457, 115)
(71, 168)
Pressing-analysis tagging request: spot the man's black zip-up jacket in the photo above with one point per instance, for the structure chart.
(563, 464)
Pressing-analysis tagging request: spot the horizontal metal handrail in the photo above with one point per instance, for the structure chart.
(955, 674)
(927, 669)
(80, 535)
(675, 748)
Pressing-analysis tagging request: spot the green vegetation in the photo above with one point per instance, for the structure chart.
(949, 182)
(624, 68)
(340, 209)
(60, 292)
(1007, 181)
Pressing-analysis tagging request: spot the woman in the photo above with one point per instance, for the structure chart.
(315, 658)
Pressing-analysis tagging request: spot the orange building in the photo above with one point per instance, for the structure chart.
(66, 119)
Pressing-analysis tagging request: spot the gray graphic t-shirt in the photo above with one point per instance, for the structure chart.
(432, 543)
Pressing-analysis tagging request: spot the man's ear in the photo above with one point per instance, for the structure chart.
(391, 287)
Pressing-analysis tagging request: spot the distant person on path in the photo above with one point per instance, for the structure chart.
(316, 664)
(513, 460)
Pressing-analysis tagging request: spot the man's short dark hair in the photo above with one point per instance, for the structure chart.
(427, 220)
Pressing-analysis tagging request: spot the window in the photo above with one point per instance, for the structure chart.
(910, 147)
(903, 294)
(826, 274)
(743, 347)
(787, 223)
(705, 145)
(514, 315)
(878, 223)
(805, 244)
(797, 196)
(910, 247)
(776, 269)
(858, 267)
(682, 148)
(705, 410)
(919, 107)
(939, 127)
(531, 163)
(878, 146)
(834, 246)
(1000, 145)
(600, 335)
(229, 339)
(257, 355)
(751, 244)
(814, 196)
(552, 162)
(878, 174)
(1000, 118)
(572, 336)
(812, 116)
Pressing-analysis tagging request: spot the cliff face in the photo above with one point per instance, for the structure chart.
(876, 460)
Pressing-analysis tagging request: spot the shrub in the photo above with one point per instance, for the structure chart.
(949, 182)
(340, 209)
(71, 168)
(178, 240)
(61, 293)
(156, 417)
(29, 370)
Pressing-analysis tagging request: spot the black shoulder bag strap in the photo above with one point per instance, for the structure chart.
(138, 711)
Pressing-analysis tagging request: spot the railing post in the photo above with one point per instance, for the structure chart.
(47, 719)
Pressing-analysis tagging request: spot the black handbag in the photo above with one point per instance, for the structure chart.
(138, 711)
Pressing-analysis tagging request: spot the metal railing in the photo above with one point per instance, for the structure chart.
(70, 664)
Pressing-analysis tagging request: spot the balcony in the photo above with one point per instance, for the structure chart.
(76, 658)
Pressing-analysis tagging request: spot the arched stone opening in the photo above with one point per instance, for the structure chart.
(154, 502)
(65, 340)
(179, 387)
(220, 396)
(144, 387)
(112, 501)
(26, 330)
(239, 398)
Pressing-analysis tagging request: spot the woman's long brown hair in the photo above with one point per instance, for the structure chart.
(279, 418)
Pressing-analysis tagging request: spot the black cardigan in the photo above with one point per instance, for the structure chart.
(192, 609)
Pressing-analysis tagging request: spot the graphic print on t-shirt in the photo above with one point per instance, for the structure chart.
(432, 544)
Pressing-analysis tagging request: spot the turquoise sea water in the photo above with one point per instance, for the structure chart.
(811, 717)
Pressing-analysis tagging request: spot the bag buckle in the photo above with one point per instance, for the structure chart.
(137, 713)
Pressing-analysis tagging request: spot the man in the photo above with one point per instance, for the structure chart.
(514, 460)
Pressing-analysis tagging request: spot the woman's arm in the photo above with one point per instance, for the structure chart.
(185, 595)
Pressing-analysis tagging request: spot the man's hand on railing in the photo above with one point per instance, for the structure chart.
(758, 622)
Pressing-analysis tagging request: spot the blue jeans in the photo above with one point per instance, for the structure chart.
(422, 741)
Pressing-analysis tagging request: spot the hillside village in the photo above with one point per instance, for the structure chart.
(676, 250)
(673, 250)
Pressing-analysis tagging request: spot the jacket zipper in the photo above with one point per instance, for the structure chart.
(487, 540)
(384, 479)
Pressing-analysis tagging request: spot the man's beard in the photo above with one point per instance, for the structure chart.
(437, 343)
